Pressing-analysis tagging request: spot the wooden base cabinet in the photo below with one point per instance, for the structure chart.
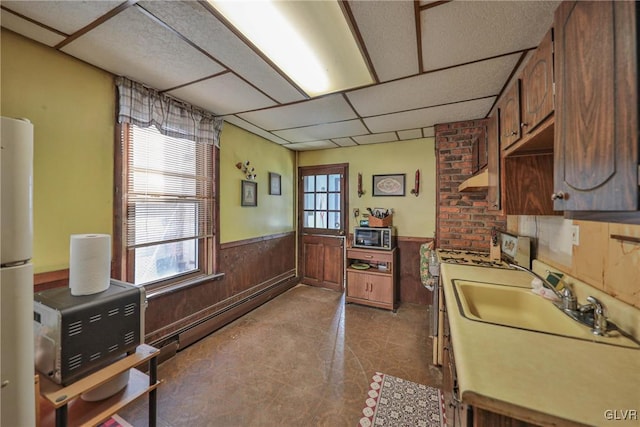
(375, 286)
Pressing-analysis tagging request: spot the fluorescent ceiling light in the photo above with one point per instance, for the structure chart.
(309, 41)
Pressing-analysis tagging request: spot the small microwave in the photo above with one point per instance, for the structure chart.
(374, 238)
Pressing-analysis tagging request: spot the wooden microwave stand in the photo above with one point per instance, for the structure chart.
(69, 407)
(375, 286)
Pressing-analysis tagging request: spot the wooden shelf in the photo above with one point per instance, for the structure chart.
(54, 397)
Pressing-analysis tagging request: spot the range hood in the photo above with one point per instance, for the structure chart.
(478, 182)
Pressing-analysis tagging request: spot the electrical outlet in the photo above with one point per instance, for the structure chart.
(575, 235)
(356, 212)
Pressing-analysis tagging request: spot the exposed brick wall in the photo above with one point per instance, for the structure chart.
(463, 219)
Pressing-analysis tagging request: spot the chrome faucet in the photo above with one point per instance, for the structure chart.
(600, 323)
(566, 297)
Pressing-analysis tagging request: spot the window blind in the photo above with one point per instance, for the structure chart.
(170, 188)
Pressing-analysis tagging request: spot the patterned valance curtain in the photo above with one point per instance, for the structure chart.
(146, 107)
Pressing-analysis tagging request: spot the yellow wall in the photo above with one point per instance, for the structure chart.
(72, 108)
(413, 216)
(274, 214)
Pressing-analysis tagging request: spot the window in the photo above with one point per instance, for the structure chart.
(322, 201)
(167, 206)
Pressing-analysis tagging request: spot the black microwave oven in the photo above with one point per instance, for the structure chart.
(374, 238)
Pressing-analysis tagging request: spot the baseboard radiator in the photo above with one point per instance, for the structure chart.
(189, 335)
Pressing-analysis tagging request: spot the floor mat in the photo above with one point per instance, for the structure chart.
(396, 402)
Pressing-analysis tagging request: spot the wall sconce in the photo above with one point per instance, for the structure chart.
(416, 184)
(360, 190)
(246, 170)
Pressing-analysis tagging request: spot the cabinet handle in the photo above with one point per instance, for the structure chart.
(524, 125)
(512, 133)
(368, 256)
(560, 195)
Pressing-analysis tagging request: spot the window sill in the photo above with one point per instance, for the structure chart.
(178, 286)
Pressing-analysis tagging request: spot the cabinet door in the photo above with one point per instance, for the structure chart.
(596, 130)
(537, 85)
(493, 163)
(357, 285)
(381, 288)
(510, 116)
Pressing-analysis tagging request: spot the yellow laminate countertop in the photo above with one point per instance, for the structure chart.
(550, 379)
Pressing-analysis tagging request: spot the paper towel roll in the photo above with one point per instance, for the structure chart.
(89, 263)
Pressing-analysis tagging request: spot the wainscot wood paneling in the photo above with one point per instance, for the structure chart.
(255, 271)
(410, 288)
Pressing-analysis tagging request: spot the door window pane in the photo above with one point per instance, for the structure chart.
(309, 201)
(334, 201)
(309, 183)
(334, 182)
(334, 220)
(309, 219)
(321, 182)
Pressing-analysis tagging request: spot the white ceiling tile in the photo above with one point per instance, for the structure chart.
(344, 142)
(376, 138)
(429, 132)
(28, 29)
(234, 120)
(468, 110)
(470, 81)
(389, 33)
(223, 94)
(314, 145)
(65, 16)
(324, 131)
(464, 31)
(327, 109)
(142, 50)
(410, 134)
(197, 24)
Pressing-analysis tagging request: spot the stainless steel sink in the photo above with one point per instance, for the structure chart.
(516, 307)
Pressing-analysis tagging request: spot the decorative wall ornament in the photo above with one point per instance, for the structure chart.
(360, 190)
(416, 184)
(388, 185)
(247, 170)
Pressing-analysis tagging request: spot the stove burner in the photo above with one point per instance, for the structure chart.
(452, 260)
(487, 263)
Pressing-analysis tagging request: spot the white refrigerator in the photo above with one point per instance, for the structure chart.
(16, 274)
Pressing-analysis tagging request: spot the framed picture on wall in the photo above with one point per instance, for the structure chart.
(274, 184)
(249, 193)
(388, 185)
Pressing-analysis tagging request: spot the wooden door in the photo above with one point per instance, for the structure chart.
(537, 85)
(596, 129)
(510, 116)
(322, 204)
(493, 163)
(380, 288)
(358, 285)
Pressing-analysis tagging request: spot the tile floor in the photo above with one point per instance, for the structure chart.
(302, 359)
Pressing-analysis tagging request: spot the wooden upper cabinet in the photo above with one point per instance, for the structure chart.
(537, 85)
(493, 163)
(596, 130)
(509, 106)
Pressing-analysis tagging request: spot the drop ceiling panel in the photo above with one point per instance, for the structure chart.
(429, 132)
(344, 142)
(470, 81)
(331, 108)
(142, 50)
(197, 24)
(389, 33)
(234, 120)
(28, 29)
(469, 110)
(65, 16)
(323, 131)
(460, 32)
(314, 145)
(223, 94)
(376, 138)
(410, 134)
